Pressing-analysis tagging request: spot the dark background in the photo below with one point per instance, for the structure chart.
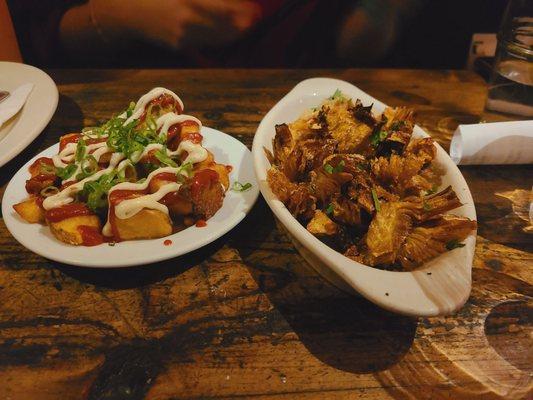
(438, 37)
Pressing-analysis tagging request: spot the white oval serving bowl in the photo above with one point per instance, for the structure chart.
(38, 238)
(439, 287)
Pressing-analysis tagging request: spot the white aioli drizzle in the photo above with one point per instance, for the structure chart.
(67, 154)
(196, 153)
(165, 121)
(129, 207)
(147, 98)
(65, 196)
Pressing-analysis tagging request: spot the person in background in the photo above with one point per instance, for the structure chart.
(213, 33)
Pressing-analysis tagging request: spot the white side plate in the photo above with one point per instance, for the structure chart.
(40, 240)
(19, 131)
(440, 287)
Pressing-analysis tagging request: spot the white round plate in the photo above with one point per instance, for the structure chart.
(40, 240)
(441, 286)
(19, 131)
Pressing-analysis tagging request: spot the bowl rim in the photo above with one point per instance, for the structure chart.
(453, 285)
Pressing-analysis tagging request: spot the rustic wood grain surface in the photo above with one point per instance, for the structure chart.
(246, 317)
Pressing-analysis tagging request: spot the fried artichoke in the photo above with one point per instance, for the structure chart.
(364, 186)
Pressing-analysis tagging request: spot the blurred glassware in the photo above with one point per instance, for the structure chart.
(511, 83)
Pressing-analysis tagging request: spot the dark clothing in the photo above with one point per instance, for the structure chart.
(291, 33)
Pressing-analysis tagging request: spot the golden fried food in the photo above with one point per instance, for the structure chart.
(138, 176)
(30, 210)
(361, 184)
(73, 230)
(146, 224)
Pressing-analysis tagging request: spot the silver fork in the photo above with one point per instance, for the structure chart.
(3, 95)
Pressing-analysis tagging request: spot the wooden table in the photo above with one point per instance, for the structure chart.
(246, 317)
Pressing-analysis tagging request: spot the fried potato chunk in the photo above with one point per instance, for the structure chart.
(68, 231)
(320, 224)
(146, 224)
(30, 210)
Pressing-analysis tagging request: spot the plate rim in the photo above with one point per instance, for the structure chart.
(35, 130)
(11, 220)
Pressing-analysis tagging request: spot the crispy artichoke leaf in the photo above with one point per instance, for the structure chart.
(393, 222)
(431, 239)
(346, 212)
(388, 229)
(296, 197)
(351, 133)
(325, 185)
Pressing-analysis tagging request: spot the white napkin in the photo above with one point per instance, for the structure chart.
(12, 105)
(493, 143)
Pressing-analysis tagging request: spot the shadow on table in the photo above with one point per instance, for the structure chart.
(135, 277)
(344, 331)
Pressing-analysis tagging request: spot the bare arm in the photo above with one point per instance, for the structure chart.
(174, 24)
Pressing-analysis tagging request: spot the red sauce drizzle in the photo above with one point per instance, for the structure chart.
(201, 223)
(163, 101)
(174, 136)
(173, 133)
(166, 176)
(202, 179)
(167, 242)
(71, 138)
(39, 200)
(40, 166)
(95, 140)
(67, 211)
(90, 235)
(67, 184)
(194, 137)
(75, 137)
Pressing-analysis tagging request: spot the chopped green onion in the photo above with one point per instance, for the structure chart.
(65, 173)
(127, 173)
(49, 191)
(339, 167)
(162, 156)
(47, 168)
(337, 95)
(377, 205)
(329, 209)
(185, 169)
(334, 170)
(95, 192)
(89, 166)
(433, 189)
(397, 125)
(81, 149)
(129, 111)
(378, 137)
(239, 187)
(454, 244)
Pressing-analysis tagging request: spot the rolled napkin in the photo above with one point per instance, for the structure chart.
(493, 143)
(12, 105)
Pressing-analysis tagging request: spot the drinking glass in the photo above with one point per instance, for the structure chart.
(511, 82)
